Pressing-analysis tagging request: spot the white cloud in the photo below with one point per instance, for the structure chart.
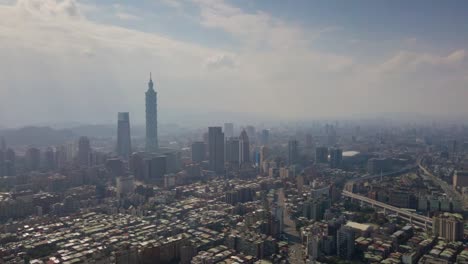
(220, 61)
(172, 3)
(127, 16)
(405, 61)
(68, 8)
(122, 13)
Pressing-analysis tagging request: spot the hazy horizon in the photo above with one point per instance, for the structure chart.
(82, 61)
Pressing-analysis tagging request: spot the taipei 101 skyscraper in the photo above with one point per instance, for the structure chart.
(151, 119)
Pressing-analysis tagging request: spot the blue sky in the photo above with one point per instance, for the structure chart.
(441, 24)
(279, 59)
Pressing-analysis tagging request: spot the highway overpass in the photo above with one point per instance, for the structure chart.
(411, 217)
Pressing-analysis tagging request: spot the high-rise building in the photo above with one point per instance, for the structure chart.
(448, 226)
(49, 159)
(321, 155)
(293, 152)
(33, 158)
(84, 151)
(216, 149)
(198, 151)
(264, 153)
(9, 162)
(251, 133)
(151, 119)
(137, 165)
(172, 161)
(232, 151)
(345, 242)
(228, 130)
(155, 168)
(244, 148)
(460, 179)
(336, 157)
(124, 145)
(265, 136)
(125, 185)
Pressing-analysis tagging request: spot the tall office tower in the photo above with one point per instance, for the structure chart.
(151, 119)
(9, 165)
(33, 158)
(124, 145)
(293, 152)
(172, 161)
(264, 153)
(265, 136)
(137, 165)
(228, 130)
(345, 242)
(321, 155)
(198, 151)
(49, 159)
(154, 168)
(232, 152)
(61, 156)
(244, 148)
(251, 133)
(216, 149)
(448, 226)
(84, 151)
(336, 157)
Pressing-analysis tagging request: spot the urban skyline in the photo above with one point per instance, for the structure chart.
(274, 132)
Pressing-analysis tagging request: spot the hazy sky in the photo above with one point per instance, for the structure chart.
(84, 61)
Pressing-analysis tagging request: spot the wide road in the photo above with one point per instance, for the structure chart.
(448, 189)
(296, 254)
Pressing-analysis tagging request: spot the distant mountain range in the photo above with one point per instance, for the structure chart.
(42, 136)
(36, 136)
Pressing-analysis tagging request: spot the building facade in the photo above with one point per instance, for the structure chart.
(216, 149)
(244, 148)
(293, 152)
(198, 151)
(124, 146)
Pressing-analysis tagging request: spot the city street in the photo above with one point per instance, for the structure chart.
(295, 246)
(448, 189)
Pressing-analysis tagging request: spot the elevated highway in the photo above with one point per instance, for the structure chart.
(411, 217)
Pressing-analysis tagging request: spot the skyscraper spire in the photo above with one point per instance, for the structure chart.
(150, 83)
